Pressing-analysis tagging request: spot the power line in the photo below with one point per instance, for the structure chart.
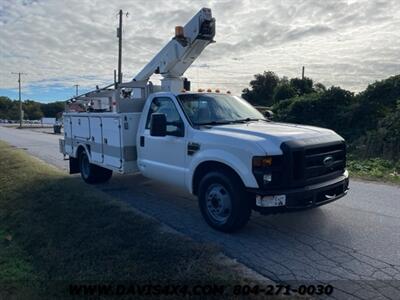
(19, 96)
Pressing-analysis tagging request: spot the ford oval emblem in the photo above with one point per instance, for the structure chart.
(328, 161)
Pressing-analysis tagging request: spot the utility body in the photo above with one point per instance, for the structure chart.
(214, 145)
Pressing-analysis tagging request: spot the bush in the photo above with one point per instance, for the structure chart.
(328, 109)
(384, 141)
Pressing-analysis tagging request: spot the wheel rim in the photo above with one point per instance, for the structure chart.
(218, 203)
(85, 166)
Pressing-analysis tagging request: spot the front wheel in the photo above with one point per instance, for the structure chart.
(224, 202)
(91, 173)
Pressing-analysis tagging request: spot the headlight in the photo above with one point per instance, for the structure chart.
(267, 170)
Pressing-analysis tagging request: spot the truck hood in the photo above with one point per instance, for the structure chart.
(271, 134)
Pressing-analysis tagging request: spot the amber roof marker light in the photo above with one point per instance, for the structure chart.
(179, 32)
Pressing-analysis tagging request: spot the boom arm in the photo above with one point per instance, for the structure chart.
(180, 52)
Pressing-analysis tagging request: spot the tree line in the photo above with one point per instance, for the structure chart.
(369, 120)
(9, 109)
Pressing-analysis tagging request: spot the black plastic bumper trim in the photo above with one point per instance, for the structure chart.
(308, 196)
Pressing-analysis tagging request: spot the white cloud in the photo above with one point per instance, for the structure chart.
(346, 43)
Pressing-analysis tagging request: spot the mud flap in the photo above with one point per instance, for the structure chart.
(73, 165)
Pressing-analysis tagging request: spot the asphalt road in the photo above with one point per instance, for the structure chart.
(353, 243)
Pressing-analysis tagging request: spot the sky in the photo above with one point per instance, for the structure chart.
(61, 43)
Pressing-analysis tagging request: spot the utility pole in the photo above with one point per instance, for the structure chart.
(119, 35)
(19, 96)
(76, 89)
(302, 73)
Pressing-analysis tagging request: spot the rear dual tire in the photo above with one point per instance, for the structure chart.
(223, 201)
(91, 173)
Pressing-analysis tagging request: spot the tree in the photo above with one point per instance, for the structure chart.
(302, 86)
(319, 87)
(32, 110)
(383, 141)
(5, 105)
(52, 110)
(284, 91)
(378, 100)
(262, 89)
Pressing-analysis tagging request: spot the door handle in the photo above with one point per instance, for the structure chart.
(142, 141)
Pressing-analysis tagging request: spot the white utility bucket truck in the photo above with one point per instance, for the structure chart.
(215, 145)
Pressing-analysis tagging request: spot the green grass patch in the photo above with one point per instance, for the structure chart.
(54, 229)
(374, 169)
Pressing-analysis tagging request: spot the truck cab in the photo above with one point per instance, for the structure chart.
(219, 147)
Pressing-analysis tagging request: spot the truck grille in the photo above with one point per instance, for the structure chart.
(309, 163)
(324, 160)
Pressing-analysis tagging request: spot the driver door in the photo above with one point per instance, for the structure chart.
(163, 158)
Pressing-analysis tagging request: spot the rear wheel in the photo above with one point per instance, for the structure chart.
(223, 201)
(91, 173)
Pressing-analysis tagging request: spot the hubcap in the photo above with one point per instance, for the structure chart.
(218, 202)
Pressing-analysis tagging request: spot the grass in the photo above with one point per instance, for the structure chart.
(55, 230)
(374, 169)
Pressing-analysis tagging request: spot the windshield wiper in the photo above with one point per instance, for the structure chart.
(231, 121)
(248, 120)
(214, 123)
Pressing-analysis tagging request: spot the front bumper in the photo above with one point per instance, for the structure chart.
(308, 196)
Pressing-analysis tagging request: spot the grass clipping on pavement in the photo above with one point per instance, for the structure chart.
(53, 227)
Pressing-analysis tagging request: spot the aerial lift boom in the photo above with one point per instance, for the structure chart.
(181, 51)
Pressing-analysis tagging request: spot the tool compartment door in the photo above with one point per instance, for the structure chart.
(80, 127)
(96, 145)
(68, 146)
(112, 151)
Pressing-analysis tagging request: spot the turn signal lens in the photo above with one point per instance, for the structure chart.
(262, 161)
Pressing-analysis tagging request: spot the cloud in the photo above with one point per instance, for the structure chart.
(346, 43)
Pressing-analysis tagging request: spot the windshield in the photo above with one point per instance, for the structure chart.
(212, 109)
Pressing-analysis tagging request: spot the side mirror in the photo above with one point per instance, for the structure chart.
(268, 114)
(158, 125)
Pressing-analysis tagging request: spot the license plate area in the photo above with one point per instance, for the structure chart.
(271, 201)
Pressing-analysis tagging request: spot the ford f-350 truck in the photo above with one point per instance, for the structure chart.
(215, 145)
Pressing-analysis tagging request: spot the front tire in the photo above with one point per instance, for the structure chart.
(91, 173)
(223, 201)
